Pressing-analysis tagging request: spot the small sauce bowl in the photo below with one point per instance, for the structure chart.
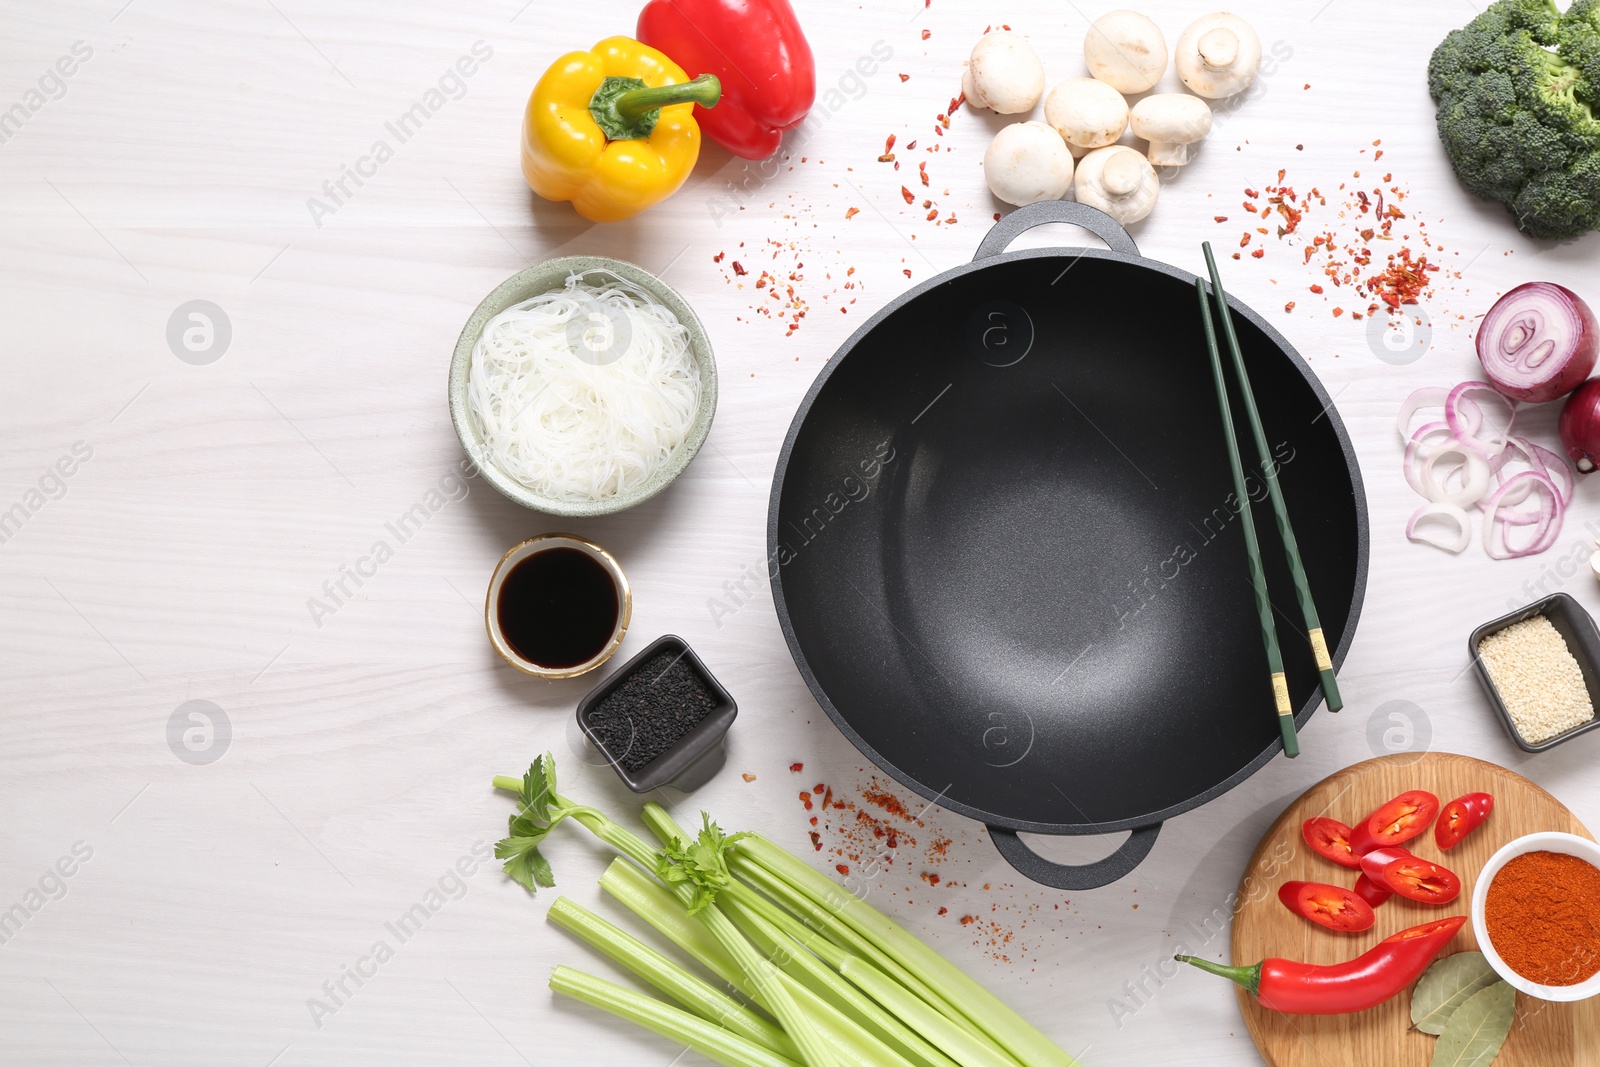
(496, 623)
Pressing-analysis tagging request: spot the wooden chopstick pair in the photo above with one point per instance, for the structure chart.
(1280, 513)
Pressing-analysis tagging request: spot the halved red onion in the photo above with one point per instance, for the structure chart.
(1546, 522)
(1538, 342)
(1468, 422)
(1580, 426)
(1427, 535)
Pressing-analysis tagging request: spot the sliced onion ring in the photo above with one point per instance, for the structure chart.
(1466, 419)
(1546, 522)
(1419, 449)
(1416, 532)
(1429, 396)
(1474, 476)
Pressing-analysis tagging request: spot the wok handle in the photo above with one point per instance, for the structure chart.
(1089, 876)
(1094, 220)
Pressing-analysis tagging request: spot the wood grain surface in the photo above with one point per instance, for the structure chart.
(1542, 1035)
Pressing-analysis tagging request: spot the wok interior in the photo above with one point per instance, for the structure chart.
(1022, 581)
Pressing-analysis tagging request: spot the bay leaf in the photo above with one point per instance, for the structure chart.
(1477, 1029)
(1446, 986)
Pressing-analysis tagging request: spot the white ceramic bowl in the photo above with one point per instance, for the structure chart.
(1571, 845)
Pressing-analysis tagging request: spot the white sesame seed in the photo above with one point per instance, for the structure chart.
(1539, 682)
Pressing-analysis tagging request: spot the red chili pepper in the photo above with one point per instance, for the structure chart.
(1415, 879)
(1397, 822)
(756, 49)
(1460, 817)
(1327, 905)
(1362, 983)
(1372, 892)
(1330, 839)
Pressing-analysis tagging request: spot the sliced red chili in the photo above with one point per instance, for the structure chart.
(1460, 817)
(1397, 822)
(1327, 905)
(1415, 879)
(1330, 839)
(1371, 892)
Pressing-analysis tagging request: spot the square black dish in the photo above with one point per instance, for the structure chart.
(1577, 629)
(684, 675)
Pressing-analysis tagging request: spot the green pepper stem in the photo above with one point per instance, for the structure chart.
(627, 109)
(634, 104)
(1248, 977)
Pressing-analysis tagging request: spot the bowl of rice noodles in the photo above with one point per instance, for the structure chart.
(582, 386)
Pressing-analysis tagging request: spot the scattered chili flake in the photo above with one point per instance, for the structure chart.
(796, 768)
(1258, 253)
(841, 867)
(922, 171)
(944, 911)
(907, 272)
(1251, 193)
(926, 34)
(1299, 148)
(852, 213)
(1219, 218)
(997, 216)
(1316, 289)
(816, 841)
(738, 268)
(906, 193)
(910, 145)
(905, 77)
(718, 257)
(1244, 239)
(1287, 307)
(747, 776)
(933, 214)
(968, 920)
(1337, 312)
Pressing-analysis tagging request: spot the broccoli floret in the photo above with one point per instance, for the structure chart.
(1580, 45)
(1515, 116)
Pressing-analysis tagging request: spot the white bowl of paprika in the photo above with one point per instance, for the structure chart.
(1536, 914)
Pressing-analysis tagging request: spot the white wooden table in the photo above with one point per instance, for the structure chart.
(209, 902)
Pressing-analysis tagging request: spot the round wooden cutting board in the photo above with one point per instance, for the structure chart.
(1543, 1035)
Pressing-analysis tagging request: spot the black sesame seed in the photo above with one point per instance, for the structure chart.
(663, 699)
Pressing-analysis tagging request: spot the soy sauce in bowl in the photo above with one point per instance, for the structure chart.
(558, 606)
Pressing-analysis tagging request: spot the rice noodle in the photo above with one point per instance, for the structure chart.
(561, 411)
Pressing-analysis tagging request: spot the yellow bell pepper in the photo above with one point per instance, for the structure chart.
(612, 129)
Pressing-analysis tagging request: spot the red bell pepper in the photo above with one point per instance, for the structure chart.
(1364, 982)
(758, 52)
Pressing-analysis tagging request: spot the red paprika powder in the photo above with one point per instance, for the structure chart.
(1543, 915)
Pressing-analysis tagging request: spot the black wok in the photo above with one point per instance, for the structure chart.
(1006, 554)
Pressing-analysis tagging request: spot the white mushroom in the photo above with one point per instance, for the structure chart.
(1217, 55)
(1125, 50)
(1004, 75)
(1171, 122)
(1118, 181)
(1028, 162)
(1086, 113)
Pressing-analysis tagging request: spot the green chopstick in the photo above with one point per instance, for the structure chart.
(1252, 548)
(1280, 510)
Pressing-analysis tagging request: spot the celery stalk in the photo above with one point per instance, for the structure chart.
(768, 925)
(826, 922)
(962, 1046)
(690, 991)
(986, 1011)
(763, 976)
(834, 993)
(724, 1047)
